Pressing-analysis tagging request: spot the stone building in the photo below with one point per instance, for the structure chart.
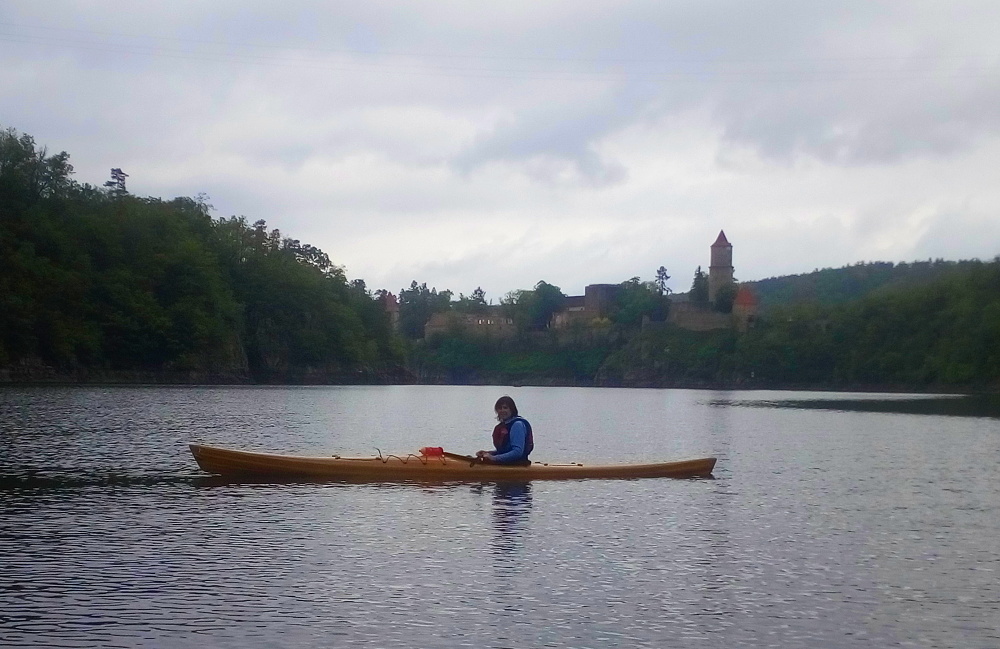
(596, 302)
(492, 322)
(720, 272)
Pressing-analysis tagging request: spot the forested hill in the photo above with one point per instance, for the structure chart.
(831, 286)
(942, 334)
(98, 284)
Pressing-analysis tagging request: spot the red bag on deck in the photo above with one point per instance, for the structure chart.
(432, 451)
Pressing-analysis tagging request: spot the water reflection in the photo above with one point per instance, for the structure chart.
(973, 405)
(511, 510)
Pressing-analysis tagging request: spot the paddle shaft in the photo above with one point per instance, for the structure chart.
(456, 456)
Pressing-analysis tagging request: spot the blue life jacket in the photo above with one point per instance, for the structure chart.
(501, 436)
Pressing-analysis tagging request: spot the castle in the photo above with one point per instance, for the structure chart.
(598, 301)
(695, 316)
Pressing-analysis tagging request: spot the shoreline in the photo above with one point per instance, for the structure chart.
(181, 379)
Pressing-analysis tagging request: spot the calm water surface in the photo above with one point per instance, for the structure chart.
(827, 524)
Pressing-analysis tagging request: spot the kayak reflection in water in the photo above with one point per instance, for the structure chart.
(512, 438)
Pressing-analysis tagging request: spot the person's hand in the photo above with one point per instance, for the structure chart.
(480, 454)
(486, 458)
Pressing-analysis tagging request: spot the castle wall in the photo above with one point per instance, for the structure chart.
(694, 317)
(492, 323)
(599, 298)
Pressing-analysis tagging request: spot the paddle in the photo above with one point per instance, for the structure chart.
(455, 456)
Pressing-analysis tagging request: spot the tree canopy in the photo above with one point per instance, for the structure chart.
(416, 306)
(533, 310)
(100, 279)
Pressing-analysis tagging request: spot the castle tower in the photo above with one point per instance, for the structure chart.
(720, 272)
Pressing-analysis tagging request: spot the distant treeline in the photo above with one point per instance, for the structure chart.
(939, 330)
(935, 333)
(831, 286)
(95, 282)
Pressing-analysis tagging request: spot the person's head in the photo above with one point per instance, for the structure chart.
(509, 409)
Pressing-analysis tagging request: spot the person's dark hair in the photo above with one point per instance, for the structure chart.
(506, 401)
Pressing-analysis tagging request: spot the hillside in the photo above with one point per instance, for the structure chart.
(831, 286)
(98, 284)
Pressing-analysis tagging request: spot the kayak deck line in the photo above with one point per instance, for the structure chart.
(449, 466)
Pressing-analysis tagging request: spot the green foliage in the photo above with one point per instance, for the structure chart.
(636, 300)
(831, 286)
(27, 174)
(474, 304)
(533, 310)
(661, 280)
(670, 355)
(462, 358)
(99, 279)
(724, 297)
(546, 300)
(416, 306)
(944, 332)
(919, 335)
(699, 287)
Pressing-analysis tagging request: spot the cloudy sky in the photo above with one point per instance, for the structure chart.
(467, 144)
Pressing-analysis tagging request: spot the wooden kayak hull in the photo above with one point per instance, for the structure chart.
(235, 463)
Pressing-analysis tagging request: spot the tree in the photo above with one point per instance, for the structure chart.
(724, 298)
(699, 287)
(637, 299)
(475, 303)
(533, 310)
(27, 174)
(416, 306)
(661, 280)
(117, 183)
(99, 279)
(547, 300)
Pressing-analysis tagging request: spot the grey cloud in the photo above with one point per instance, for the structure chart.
(869, 123)
(450, 106)
(563, 132)
(959, 232)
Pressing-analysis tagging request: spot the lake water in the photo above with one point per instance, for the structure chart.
(833, 520)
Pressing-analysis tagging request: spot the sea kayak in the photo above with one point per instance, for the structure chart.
(415, 466)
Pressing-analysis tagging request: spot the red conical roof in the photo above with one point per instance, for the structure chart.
(721, 241)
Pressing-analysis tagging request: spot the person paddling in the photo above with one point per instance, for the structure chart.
(512, 438)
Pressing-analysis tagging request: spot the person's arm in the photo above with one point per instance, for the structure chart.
(518, 438)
